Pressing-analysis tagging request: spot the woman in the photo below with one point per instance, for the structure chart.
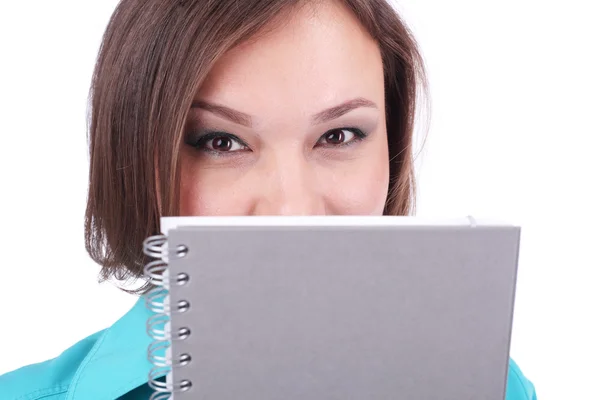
(233, 107)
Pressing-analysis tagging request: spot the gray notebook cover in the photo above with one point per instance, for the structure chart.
(345, 313)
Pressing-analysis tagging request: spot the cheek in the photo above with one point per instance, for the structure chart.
(190, 193)
(208, 191)
(199, 197)
(191, 202)
(363, 188)
(362, 191)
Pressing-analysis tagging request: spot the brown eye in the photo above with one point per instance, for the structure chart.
(218, 143)
(341, 137)
(221, 143)
(336, 136)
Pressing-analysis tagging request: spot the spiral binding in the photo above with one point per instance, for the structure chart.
(158, 325)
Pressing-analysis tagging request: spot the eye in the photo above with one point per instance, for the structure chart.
(223, 143)
(341, 136)
(218, 142)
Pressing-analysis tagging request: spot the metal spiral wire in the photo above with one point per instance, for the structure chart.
(157, 326)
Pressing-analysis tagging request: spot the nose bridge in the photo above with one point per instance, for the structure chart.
(290, 187)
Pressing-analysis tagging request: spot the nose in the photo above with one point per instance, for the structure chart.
(288, 186)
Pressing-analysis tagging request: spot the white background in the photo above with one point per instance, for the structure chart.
(515, 135)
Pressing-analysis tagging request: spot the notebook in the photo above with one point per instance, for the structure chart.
(315, 308)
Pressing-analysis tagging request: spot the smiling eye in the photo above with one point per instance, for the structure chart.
(223, 143)
(340, 137)
(218, 143)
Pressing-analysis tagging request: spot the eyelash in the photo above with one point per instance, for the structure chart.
(199, 141)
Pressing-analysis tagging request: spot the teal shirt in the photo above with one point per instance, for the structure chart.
(112, 364)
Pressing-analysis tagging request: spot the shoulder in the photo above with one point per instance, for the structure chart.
(109, 364)
(518, 387)
(48, 380)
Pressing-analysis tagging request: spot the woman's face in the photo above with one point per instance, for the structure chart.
(291, 124)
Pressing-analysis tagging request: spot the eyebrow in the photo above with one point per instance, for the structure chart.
(321, 117)
(232, 115)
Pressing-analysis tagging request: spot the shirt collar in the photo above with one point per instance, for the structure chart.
(118, 363)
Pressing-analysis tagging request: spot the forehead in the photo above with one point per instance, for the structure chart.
(319, 55)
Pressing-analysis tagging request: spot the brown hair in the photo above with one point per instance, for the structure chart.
(153, 57)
